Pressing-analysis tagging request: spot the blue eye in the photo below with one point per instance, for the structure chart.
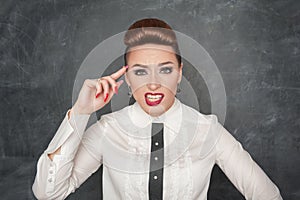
(166, 70)
(140, 72)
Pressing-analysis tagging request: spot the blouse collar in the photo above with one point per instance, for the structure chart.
(172, 118)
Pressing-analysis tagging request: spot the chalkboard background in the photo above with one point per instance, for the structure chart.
(255, 44)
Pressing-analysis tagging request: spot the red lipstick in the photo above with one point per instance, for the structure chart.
(153, 99)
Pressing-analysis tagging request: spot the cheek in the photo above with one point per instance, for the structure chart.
(139, 92)
(170, 84)
(138, 87)
(138, 95)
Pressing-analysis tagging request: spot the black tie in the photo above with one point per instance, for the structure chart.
(156, 162)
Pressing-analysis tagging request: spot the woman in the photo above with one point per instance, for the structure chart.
(157, 148)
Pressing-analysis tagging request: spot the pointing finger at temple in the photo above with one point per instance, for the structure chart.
(119, 73)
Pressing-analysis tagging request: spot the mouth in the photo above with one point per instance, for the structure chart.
(153, 99)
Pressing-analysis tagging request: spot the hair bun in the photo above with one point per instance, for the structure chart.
(151, 30)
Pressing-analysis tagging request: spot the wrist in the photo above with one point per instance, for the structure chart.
(75, 110)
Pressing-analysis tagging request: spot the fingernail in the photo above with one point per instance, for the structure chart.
(116, 89)
(120, 82)
(106, 96)
(126, 67)
(97, 95)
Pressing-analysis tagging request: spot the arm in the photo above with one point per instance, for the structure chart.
(242, 171)
(72, 155)
(73, 162)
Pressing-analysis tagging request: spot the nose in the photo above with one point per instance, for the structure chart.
(153, 83)
(153, 86)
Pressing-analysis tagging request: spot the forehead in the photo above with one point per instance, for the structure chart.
(151, 53)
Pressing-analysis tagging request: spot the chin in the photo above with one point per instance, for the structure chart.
(154, 111)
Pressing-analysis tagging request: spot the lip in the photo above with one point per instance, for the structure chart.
(155, 102)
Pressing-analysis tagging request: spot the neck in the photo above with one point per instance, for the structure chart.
(159, 110)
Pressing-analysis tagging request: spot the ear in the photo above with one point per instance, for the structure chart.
(180, 73)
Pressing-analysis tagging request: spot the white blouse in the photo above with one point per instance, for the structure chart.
(121, 141)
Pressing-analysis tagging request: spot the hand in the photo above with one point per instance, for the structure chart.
(96, 93)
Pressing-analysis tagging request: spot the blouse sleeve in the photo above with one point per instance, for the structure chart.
(58, 178)
(242, 170)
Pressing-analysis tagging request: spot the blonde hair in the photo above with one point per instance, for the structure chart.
(151, 30)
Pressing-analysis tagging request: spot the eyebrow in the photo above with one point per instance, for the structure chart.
(146, 66)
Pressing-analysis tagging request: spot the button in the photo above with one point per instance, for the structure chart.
(155, 177)
(140, 149)
(156, 143)
(155, 158)
(50, 180)
(51, 172)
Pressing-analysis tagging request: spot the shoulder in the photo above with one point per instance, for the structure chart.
(115, 116)
(207, 130)
(201, 117)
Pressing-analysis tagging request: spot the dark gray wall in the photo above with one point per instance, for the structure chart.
(254, 43)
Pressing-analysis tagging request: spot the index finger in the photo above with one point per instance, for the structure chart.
(119, 73)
